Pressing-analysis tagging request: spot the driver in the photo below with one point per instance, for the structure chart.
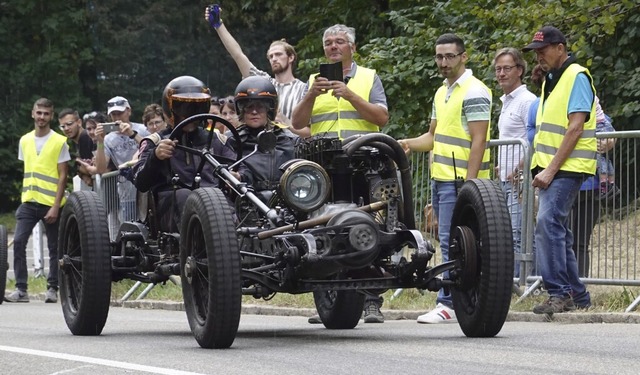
(256, 102)
(167, 171)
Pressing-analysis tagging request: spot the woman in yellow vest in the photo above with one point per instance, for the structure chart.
(45, 154)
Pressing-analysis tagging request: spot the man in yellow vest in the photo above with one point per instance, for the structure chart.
(564, 155)
(45, 154)
(354, 104)
(457, 138)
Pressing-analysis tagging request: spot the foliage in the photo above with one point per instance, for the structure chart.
(79, 53)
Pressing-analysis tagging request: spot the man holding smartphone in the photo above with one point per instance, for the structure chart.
(355, 104)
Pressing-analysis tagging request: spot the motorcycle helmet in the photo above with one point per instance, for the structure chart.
(184, 97)
(256, 88)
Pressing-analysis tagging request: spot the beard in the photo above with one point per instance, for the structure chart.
(278, 68)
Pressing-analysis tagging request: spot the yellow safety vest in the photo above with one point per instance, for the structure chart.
(552, 122)
(336, 117)
(40, 181)
(451, 140)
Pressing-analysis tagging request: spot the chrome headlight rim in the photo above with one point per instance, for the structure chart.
(310, 171)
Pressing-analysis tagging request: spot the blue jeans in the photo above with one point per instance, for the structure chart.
(554, 240)
(443, 196)
(27, 216)
(515, 210)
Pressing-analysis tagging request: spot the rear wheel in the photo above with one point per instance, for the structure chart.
(210, 261)
(481, 242)
(339, 309)
(85, 263)
(4, 265)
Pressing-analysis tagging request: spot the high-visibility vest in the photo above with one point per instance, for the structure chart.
(452, 144)
(552, 122)
(336, 117)
(40, 181)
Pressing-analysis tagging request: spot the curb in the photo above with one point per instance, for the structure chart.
(513, 316)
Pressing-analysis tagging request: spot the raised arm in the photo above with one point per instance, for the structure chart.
(232, 46)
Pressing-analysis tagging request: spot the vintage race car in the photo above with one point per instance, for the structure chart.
(341, 221)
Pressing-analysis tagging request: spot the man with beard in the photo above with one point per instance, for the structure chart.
(282, 57)
(457, 137)
(45, 155)
(80, 147)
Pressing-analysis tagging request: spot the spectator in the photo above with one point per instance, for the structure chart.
(356, 105)
(214, 109)
(45, 154)
(460, 118)
(80, 147)
(564, 154)
(160, 161)
(510, 68)
(153, 119)
(228, 110)
(282, 58)
(91, 121)
(119, 147)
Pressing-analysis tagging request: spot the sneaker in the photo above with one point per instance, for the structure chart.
(372, 313)
(51, 296)
(315, 319)
(441, 314)
(555, 304)
(17, 296)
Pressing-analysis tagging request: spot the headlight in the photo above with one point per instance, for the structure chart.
(304, 186)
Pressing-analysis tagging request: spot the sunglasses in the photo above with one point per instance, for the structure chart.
(118, 103)
(223, 101)
(89, 115)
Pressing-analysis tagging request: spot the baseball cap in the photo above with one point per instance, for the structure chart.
(117, 103)
(544, 37)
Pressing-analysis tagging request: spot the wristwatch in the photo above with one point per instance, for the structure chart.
(133, 136)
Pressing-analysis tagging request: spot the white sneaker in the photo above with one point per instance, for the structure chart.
(441, 314)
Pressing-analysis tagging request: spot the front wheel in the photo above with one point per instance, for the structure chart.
(4, 265)
(85, 263)
(210, 262)
(482, 245)
(339, 309)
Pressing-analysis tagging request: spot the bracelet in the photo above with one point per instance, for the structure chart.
(133, 135)
(100, 145)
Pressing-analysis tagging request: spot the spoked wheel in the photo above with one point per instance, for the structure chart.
(4, 265)
(339, 309)
(482, 244)
(210, 261)
(85, 263)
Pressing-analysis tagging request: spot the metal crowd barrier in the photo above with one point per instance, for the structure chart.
(613, 257)
(119, 198)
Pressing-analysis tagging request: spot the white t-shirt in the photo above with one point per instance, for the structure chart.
(63, 157)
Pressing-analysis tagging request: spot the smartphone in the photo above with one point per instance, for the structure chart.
(109, 127)
(214, 15)
(332, 72)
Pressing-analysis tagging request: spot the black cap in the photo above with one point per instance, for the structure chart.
(545, 36)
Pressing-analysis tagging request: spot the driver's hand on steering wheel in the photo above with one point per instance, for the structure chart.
(165, 149)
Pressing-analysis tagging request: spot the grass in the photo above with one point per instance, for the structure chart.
(603, 298)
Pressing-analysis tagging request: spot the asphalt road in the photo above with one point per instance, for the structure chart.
(35, 340)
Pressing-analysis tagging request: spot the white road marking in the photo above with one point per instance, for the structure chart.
(96, 361)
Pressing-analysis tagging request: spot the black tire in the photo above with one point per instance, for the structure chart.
(210, 263)
(85, 270)
(339, 309)
(4, 265)
(482, 304)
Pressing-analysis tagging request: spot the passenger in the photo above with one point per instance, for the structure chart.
(160, 161)
(256, 102)
(80, 146)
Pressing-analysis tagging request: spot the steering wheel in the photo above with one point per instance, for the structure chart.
(177, 130)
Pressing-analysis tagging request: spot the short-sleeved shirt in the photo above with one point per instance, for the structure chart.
(289, 94)
(119, 148)
(476, 105)
(63, 157)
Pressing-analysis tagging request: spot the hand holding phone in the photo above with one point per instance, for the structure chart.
(108, 127)
(214, 16)
(332, 72)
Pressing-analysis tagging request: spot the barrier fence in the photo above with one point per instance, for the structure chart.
(610, 254)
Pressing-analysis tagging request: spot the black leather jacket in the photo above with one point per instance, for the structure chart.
(151, 173)
(262, 172)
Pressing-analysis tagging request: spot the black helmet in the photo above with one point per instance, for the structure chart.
(256, 88)
(184, 97)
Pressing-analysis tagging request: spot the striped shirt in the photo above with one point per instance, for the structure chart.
(289, 94)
